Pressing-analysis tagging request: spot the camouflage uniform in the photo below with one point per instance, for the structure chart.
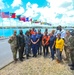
(72, 49)
(13, 43)
(27, 45)
(66, 47)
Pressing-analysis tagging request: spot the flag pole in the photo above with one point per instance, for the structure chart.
(17, 25)
(10, 24)
(2, 25)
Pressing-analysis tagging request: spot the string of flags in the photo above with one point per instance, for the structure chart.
(21, 18)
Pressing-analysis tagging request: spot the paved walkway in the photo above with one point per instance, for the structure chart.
(5, 53)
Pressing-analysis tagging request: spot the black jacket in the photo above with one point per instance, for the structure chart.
(21, 40)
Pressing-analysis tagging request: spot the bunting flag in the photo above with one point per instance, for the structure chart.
(5, 15)
(13, 15)
(45, 23)
(18, 16)
(35, 21)
(22, 19)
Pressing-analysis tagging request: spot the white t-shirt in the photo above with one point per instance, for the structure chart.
(62, 32)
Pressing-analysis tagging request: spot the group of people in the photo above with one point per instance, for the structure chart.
(35, 43)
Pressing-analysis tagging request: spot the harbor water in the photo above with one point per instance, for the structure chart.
(9, 31)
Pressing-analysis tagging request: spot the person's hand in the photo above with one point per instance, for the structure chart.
(34, 42)
(12, 37)
(43, 44)
(65, 44)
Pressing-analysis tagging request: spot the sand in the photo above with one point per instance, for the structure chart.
(37, 66)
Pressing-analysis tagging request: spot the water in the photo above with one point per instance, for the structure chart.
(8, 32)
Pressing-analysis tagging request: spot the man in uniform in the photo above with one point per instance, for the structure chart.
(21, 45)
(72, 52)
(27, 44)
(66, 47)
(14, 45)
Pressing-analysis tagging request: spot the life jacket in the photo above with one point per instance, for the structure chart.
(45, 40)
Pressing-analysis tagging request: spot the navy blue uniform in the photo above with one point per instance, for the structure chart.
(34, 38)
(40, 44)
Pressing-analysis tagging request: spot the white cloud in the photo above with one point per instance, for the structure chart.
(64, 7)
(1, 4)
(28, 5)
(31, 10)
(70, 13)
(47, 14)
(16, 3)
(19, 11)
(57, 3)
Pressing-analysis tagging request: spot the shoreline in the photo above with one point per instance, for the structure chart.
(35, 26)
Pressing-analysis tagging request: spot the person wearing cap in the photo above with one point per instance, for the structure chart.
(67, 45)
(14, 45)
(59, 44)
(71, 47)
(34, 41)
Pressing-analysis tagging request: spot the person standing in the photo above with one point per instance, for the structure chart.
(45, 43)
(61, 31)
(71, 47)
(51, 44)
(59, 44)
(21, 44)
(27, 44)
(14, 45)
(34, 41)
(66, 45)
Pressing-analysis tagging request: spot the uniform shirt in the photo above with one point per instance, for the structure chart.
(40, 37)
(59, 44)
(71, 40)
(21, 40)
(34, 37)
(52, 39)
(67, 40)
(27, 40)
(13, 42)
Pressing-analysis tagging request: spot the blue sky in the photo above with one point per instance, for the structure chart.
(53, 11)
